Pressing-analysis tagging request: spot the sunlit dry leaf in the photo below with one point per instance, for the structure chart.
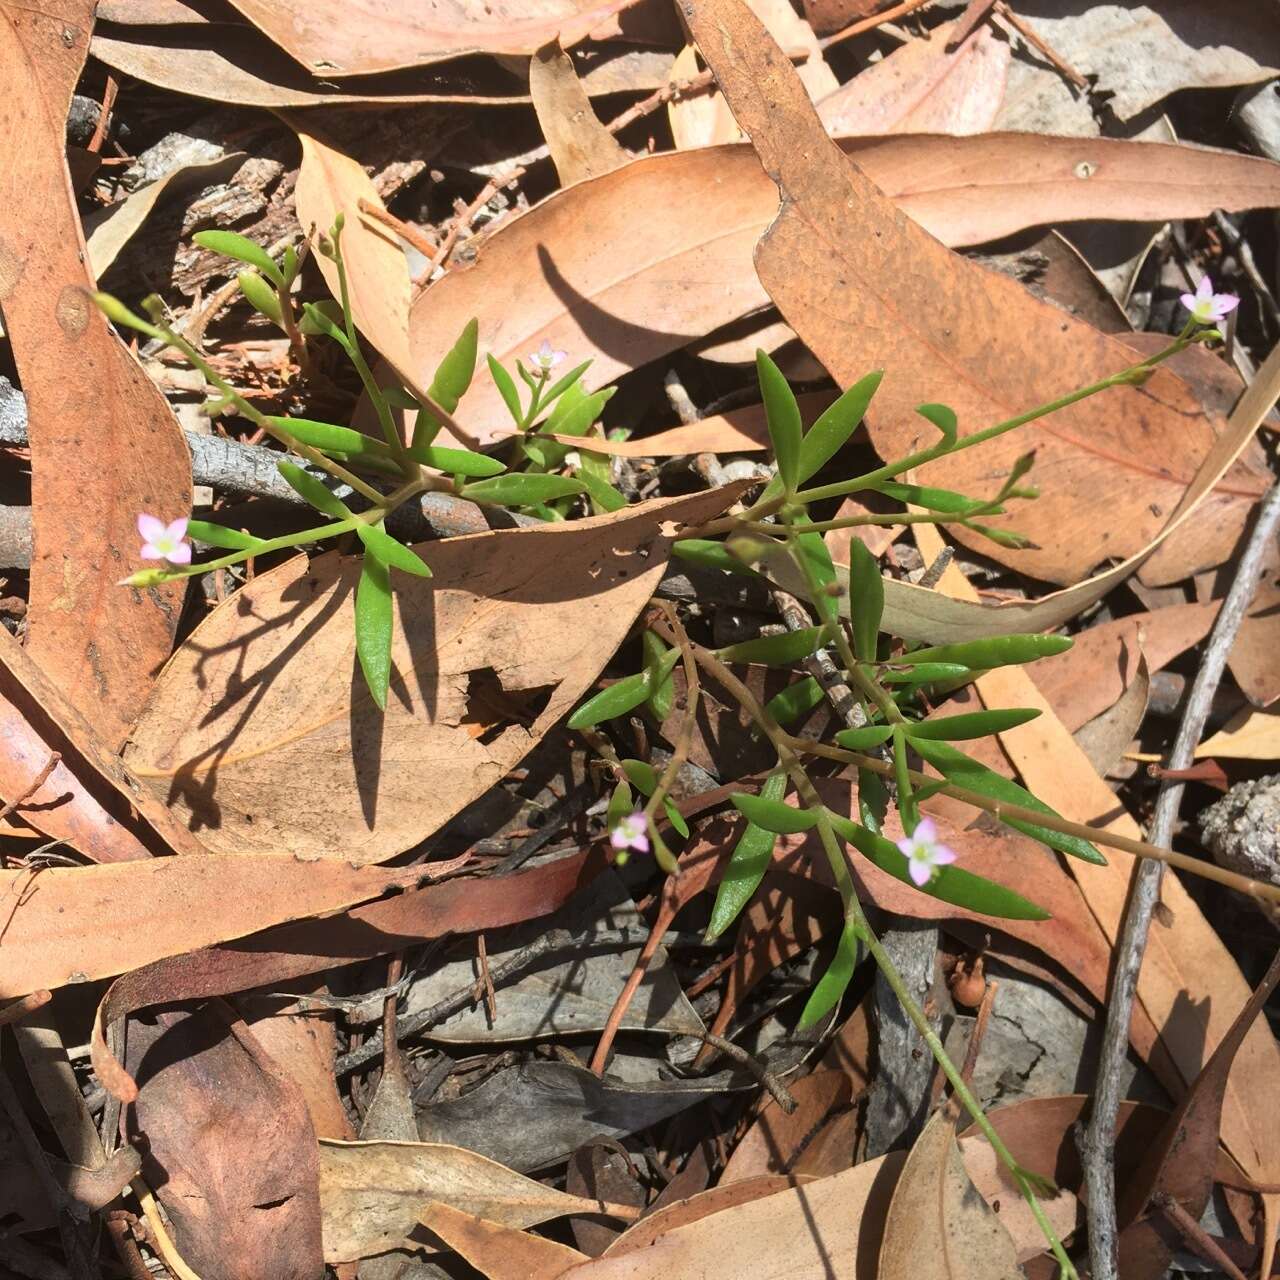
(364, 36)
(102, 438)
(1249, 735)
(581, 147)
(496, 1251)
(939, 1227)
(372, 1193)
(924, 87)
(691, 220)
(262, 703)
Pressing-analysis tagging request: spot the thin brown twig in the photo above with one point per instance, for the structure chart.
(40, 779)
(968, 22)
(768, 1081)
(405, 230)
(486, 979)
(1098, 1144)
(126, 1247)
(104, 115)
(871, 23)
(1197, 1238)
(1037, 42)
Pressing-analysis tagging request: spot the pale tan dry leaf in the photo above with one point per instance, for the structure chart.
(360, 37)
(1190, 986)
(61, 925)
(1106, 737)
(1249, 735)
(690, 221)
(581, 147)
(262, 705)
(924, 87)
(330, 182)
(939, 1227)
(698, 119)
(496, 1251)
(373, 1193)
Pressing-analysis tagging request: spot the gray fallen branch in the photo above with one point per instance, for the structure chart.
(1097, 1145)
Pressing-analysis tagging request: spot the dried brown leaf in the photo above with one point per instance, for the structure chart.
(1248, 735)
(692, 217)
(497, 1251)
(581, 147)
(102, 438)
(262, 703)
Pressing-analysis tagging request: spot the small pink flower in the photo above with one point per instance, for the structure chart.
(162, 541)
(546, 357)
(1207, 307)
(631, 833)
(924, 853)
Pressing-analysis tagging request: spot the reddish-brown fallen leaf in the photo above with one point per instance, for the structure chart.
(866, 288)
(925, 87)
(229, 1150)
(365, 36)
(89, 799)
(1180, 1162)
(77, 924)
(103, 440)
(690, 220)
(261, 704)
(498, 1252)
(281, 954)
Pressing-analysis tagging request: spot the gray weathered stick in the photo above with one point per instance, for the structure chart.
(1098, 1143)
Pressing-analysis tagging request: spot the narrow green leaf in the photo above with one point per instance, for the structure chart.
(974, 724)
(873, 800)
(507, 388)
(452, 378)
(604, 497)
(217, 535)
(993, 651)
(289, 266)
(773, 815)
(521, 490)
(619, 805)
(794, 701)
(942, 500)
(624, 695)
(942, 418)
(1001, 537)
(456, 462)
(261, 296)
(864, 739)
(373, 627)
(242, 249)
(662, 688)
(328, 437)
(645, 778)
(559, 387)
(306, 485)
(926, 673)
(576, 417)
(783, 414)
(949, 884)
(747, 864)
(835, 425)
(966, 772)
(781, 650)
(812, 549)
(866, 599)
(324, 317)
(831, 987)
(711, 555)
(378, 542)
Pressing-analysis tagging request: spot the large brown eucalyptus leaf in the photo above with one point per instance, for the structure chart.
(264, 738)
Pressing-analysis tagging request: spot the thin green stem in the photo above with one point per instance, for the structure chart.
(272, 544)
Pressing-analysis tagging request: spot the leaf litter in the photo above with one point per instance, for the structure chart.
(413, 926)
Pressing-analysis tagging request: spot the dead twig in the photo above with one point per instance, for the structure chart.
(1037, 42)
(36, 783)
(20, 1008)
(1197, 1238)
(1098, 1144)
(871, 23)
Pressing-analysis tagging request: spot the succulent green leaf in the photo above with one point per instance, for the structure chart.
(942, 500)
(242, 249)
(575, 415)
(964, 771)
(747, 864)
(830, 988)
(558, 388)
(624, 695)
(927, 673)
(794, 701)
(261, 296)
(604, 497)
(950, 884)
(311, 489)
(773, 815)
(507, 388)
(373, 627)
(866, 599)
(324, 317)
(864, 739)
(620, 804)
(217, 535)
(873, 800)
(812, 550)
(380, 544)
(974, 724)
(781, 650)
(835, 425)
(711, 555)
(522, 490)
(456, 462)
(783, 415)
(328, 437)
(942, 418)
(993, 651)
(662, 688)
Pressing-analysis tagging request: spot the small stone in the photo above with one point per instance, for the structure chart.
(1242, 832)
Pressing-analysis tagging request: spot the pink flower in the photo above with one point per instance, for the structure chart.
(632, 832)
(546, 357)
(1207, 307)
(924, 853)
(162, 541)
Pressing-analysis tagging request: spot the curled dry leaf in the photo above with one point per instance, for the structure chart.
(1249, 735)
(498, 1252)
(102, 437)
(581, 147)
(360, 37)
(262, 703)
(690, 218)
(939, 1227)
(89, 799)
(866, 288)
(373, 1193)
(229, 1150)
